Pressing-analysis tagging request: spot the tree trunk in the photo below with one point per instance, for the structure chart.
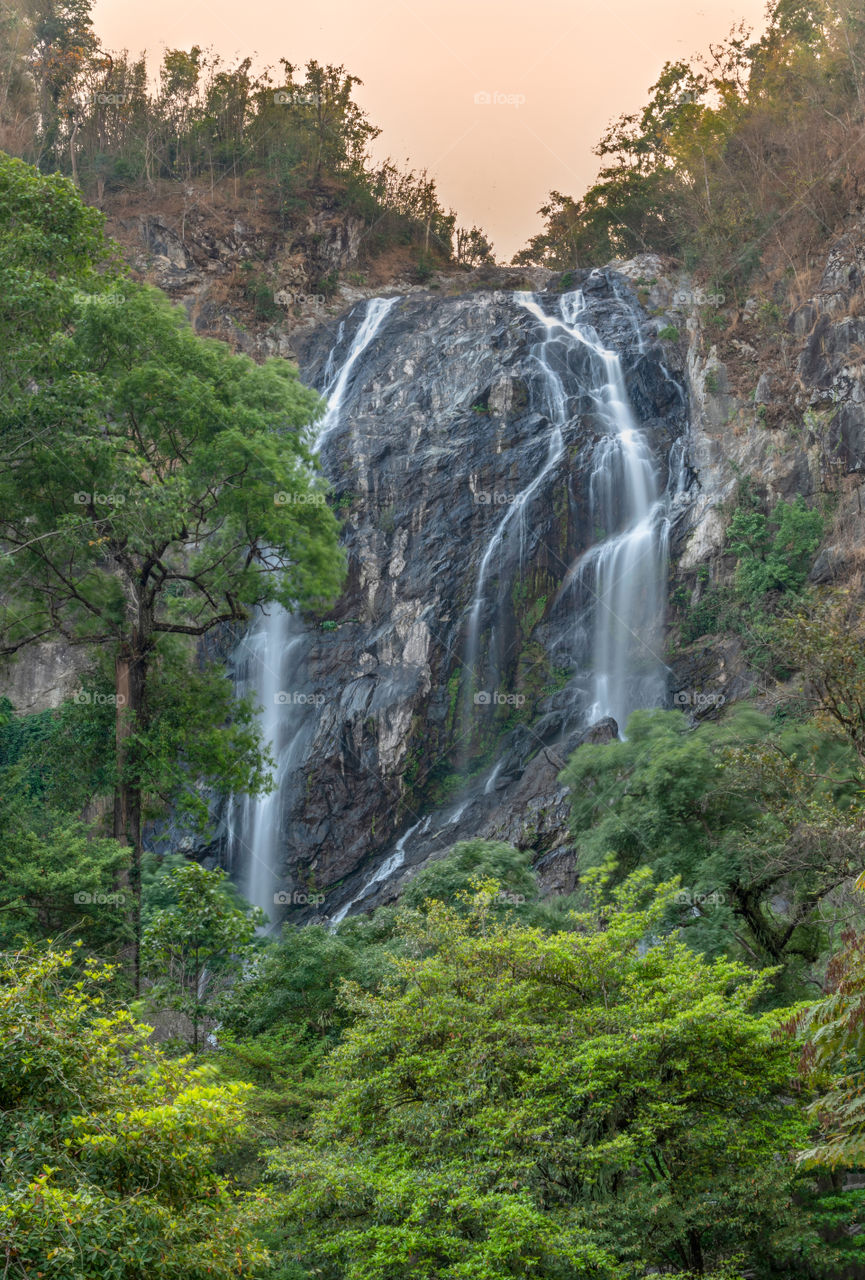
(129, 688)
(72, 156)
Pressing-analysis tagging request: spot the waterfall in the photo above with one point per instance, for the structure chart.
(338, 377)
(270, 663)
(572, 438)
(621, 577)
(387, 868)
(554, 406)
(625, 572)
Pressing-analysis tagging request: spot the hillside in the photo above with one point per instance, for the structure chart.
(432, 692)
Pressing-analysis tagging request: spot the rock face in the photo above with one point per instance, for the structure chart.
(783, 404)
(444, 425)
(388, 757)
(797, 428)
(247, 278)
(222, 267)
(40, 678)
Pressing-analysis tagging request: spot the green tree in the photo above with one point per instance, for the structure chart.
(762, 826)
(51, 249)
(192, 946)
(448, 879)
(833, 1060)
(56, 877)
(774, 552)
(600, 1102)
(471, 247)
(737, 153)
(64, 47)
(336, 132)
(295, 982)
(824, 642)
(17, 91)
(151, 496)
(110, 1151)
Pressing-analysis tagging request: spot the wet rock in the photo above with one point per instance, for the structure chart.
(708, 675)
(445, 424)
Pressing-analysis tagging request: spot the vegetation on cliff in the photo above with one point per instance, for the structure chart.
(290, 139)
(746, 156)
(153, 488)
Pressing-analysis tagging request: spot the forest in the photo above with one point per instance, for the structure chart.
(290, 136)
(658, 1072)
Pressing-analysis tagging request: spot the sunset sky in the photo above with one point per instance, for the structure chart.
(561, 69)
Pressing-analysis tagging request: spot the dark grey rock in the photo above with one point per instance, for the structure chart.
(444, 409)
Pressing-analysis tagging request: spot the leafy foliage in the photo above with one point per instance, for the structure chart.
(148, 495)
(825, 643)
(774, 552)
(743, 151)
(297, 133)
(833, 1058)
(557, 1105)
(193, 944)
(110, 1150)
(761, 825)
(56, 878)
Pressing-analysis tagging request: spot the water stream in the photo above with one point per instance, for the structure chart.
(613, 594)
(270, 663)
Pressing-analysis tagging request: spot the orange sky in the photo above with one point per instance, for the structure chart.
(562, 69)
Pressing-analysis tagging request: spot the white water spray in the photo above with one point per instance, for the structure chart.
(555, 408)
(389, 867)
(624, 573)
(338, 378)
(270, 664)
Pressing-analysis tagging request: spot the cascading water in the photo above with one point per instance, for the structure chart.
(575, 470)
(516, 513)
(338, 376)
(270, 664)
(388, 868)
(623, 574)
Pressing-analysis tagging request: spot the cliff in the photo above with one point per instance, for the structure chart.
(386, 756)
